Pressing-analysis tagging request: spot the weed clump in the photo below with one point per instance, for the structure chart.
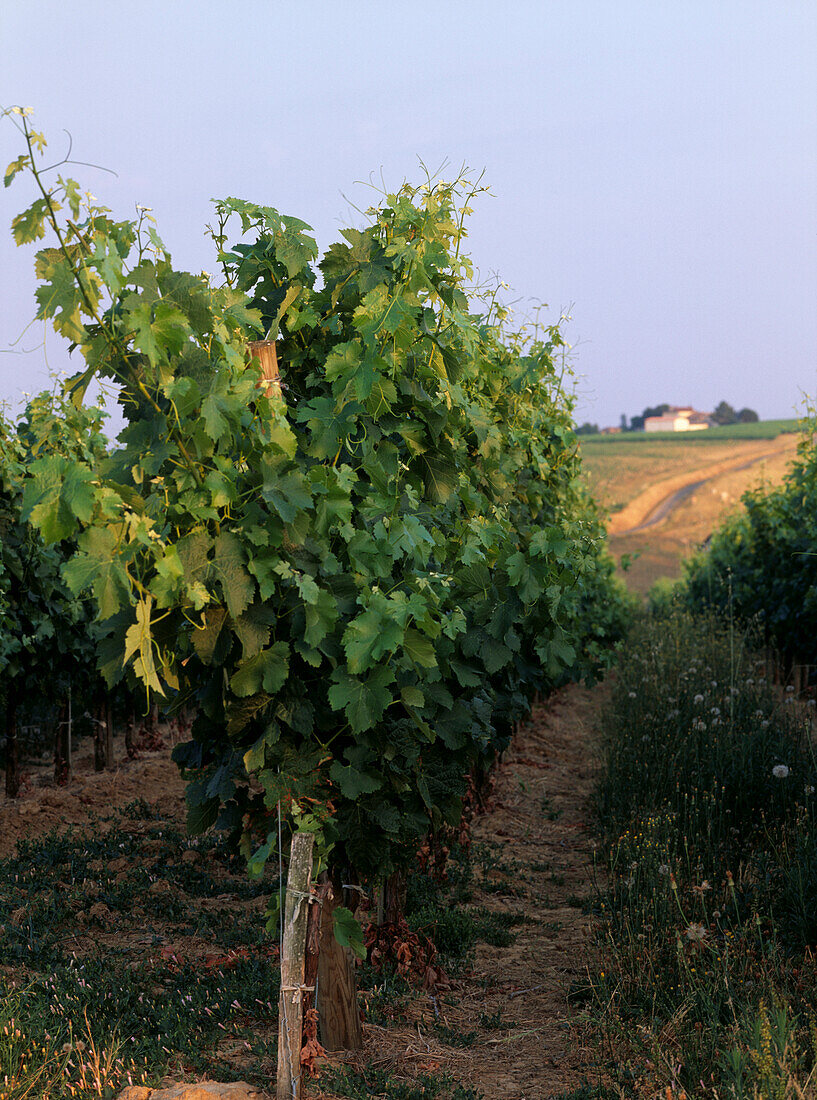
(707, 977)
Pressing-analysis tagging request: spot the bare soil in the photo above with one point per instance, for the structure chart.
(535, 823)
(43, 805)
(659, 551)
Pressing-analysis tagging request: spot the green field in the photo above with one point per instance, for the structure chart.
(763, 429)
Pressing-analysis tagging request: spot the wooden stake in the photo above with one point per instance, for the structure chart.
(99, 737)
(313, 941)
(12, 751)
(107, 715)
(60, 762)
(337, 988)
(293, 946)
(69, 730)
(266, 354)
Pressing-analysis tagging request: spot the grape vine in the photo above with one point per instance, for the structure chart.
(358, 578)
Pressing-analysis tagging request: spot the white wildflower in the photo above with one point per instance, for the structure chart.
(631, 694)
(715, 710)
(764, 725)
(789, 689)
(698, 699)
(780, 771)
(696, 932)
(808, 789)
(663, 868)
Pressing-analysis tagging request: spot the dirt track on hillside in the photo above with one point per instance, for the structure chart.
(657, 500)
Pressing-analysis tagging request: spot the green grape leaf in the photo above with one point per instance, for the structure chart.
(363, 701)
(253, 628)
(201, 816)
(237, 584)
(267, 669)
(420, 649)
(368, 638)
(59, 497)
(30, 225)
(139, 645)
(321, 617)
(348, 932)
(353, 782)
(16, 166)
(205, 638)
(412, 697)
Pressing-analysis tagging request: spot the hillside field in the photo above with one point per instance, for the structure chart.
(761, 429)
(620, 468)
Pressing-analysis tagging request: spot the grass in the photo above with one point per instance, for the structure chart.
(129, 953)
(102, 931)
(706, 983)
(369, 1082)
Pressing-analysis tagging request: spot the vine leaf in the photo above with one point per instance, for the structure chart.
(348, 931)
(353, 782)
(60, 493)
(268, 670)
(139, 645)
(368, 638)
(363, 701)
(236, 582)
(204, 639)
(30, 225)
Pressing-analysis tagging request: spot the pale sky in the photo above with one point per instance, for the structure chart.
(653, 164)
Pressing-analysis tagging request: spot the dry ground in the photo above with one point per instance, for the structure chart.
(43, 806)
(539, 867)
(618, 472)
(620, 476)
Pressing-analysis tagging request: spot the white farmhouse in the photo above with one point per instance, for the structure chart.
(678, 419)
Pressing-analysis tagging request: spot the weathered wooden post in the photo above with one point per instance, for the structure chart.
(265, 352)
(337, 988)
(12, 749)
(108, 717)
(99, 736)
(293, 955)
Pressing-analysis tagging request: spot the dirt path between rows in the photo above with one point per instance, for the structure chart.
(538, 821)
(532, 858)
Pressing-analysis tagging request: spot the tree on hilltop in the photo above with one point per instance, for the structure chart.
(724, 414)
